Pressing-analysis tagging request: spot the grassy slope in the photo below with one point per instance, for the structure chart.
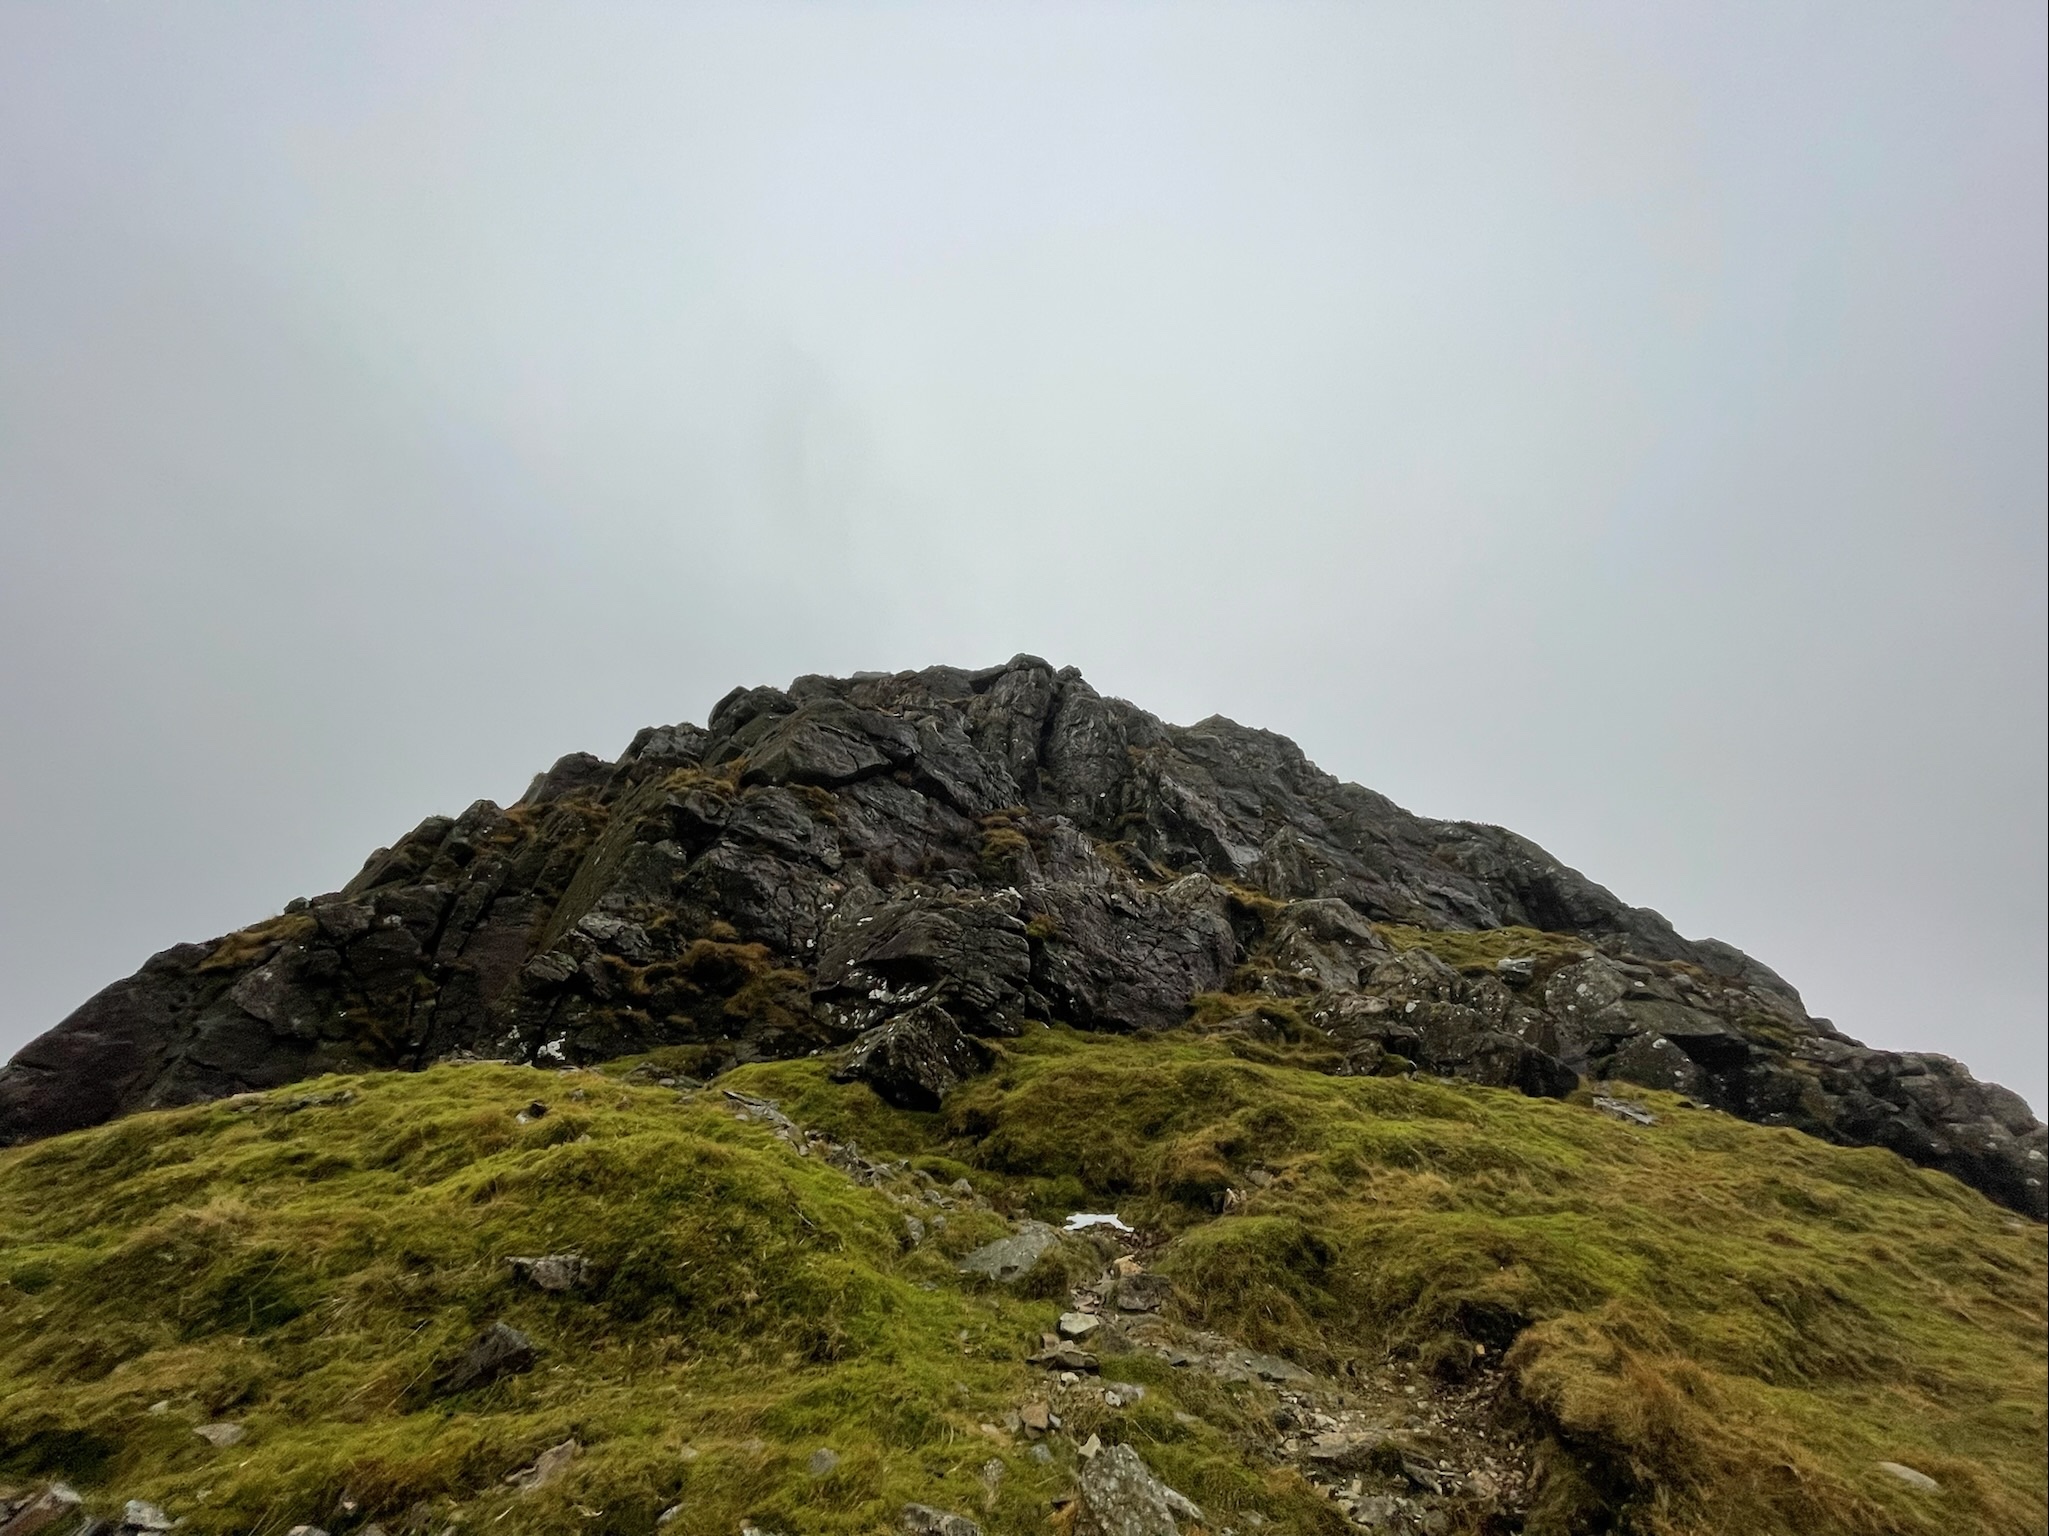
(1735, 1322)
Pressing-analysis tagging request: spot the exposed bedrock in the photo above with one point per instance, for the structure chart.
(901, 868)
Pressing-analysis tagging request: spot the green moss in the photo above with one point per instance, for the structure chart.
(248, 945)
(1720, 1326)
(1479, 949)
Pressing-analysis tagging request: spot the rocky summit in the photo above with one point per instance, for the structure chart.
(908, 865)
(955, 1102)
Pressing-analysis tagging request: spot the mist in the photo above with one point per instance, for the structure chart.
(1624, 425)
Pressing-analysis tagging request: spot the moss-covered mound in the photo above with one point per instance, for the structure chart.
(1699, 1325)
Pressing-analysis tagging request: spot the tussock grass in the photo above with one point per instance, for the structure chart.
(1718, 1327)
(1477, 950)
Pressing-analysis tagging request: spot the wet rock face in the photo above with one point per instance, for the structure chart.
(914, 864)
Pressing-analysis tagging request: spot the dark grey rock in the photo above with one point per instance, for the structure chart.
(500, 1350)
(914, 1060)
(1005, 845)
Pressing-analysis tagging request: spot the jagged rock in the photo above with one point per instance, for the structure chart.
(1063, 1357)
(966, 951)
(1010, 1259)
(221, 1435)
(1119, 1496)
(500, 1350)
(140, 1515)
(914, 1060)
(1004, 845)
(1079, 1325)
(924, 1520)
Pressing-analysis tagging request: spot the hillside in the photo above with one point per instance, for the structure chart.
(1352, 1302)
(687, 1147)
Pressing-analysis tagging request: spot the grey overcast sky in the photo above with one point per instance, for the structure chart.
(1623, 423)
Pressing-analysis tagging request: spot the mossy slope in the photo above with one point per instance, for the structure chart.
(1716, 1327)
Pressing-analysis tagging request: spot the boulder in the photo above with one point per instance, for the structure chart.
(914, 1060)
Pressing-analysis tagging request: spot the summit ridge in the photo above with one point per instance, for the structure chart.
(902, 866)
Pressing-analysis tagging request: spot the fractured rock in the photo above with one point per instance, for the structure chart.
(914, 1060)
(1119, 1496)
(1010, 1259)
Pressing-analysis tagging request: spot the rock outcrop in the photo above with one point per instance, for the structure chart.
(915, 864)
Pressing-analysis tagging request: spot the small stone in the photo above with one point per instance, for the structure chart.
(1519, 971)
(822, 1462)
(221, 1435)
(1911, 1476)
(143, 1516)
(962, 1187)
(159, 1408)
(1036, 1417)
(1041, 1451)
(1624, 1109)
(547, 1467)
(306, 1530)
(1090, 1448)
(667, 1515)
(551, 1272)
(1078, 1325)
(924, 1520)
